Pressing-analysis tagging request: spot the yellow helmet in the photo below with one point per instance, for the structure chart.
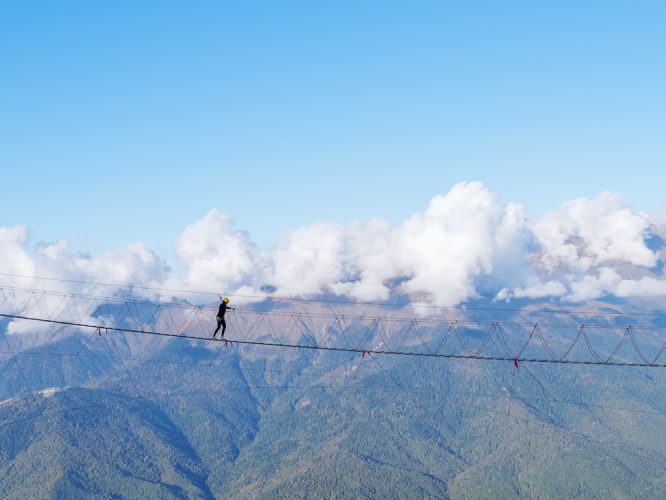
(225, 300)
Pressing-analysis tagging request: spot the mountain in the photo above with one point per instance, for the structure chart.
(117, 415)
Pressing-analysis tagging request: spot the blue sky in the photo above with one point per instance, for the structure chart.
(127, 121)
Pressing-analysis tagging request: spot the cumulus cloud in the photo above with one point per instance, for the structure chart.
(13, 255)
(309, 260)
(217, 257)
(644, 287)
(537, 290)
(593, 286)
(135, 265)
(461, 236)
(435, 256)
(609, 282)
(589, 244)
(465, 244)
(586, 233)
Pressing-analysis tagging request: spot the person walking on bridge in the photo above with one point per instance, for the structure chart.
(220, 317)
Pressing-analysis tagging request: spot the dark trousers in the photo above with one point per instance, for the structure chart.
(220, 323)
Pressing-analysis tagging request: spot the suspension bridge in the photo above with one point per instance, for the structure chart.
(31, 318)
(586, 338)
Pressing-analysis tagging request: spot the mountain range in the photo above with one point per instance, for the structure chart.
(119, 416)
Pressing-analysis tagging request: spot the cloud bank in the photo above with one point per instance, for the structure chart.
(466, 244)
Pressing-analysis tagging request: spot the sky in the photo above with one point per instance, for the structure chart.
(128, 123)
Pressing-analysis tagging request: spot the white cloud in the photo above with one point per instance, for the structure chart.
(309, 260)
(592, 287)
(437, 255)
(216, 257)
(609, 282)
(588, 244)
(369, 261)
(14, 257)
(326, 257)
(586, 233)
(459, 238)
(465, 243)
(644, 287)
(135, 265)
(538, 290)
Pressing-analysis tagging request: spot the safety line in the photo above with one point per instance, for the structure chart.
(346, 349)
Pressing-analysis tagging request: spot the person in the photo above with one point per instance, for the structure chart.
(220, 317)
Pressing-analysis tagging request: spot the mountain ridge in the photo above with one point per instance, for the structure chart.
(180, 417)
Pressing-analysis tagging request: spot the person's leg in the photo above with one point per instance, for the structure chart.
(219, 323)
(224, 326)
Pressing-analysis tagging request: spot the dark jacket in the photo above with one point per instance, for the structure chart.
(222, 310)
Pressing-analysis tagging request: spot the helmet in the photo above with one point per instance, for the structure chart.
(225, 300)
